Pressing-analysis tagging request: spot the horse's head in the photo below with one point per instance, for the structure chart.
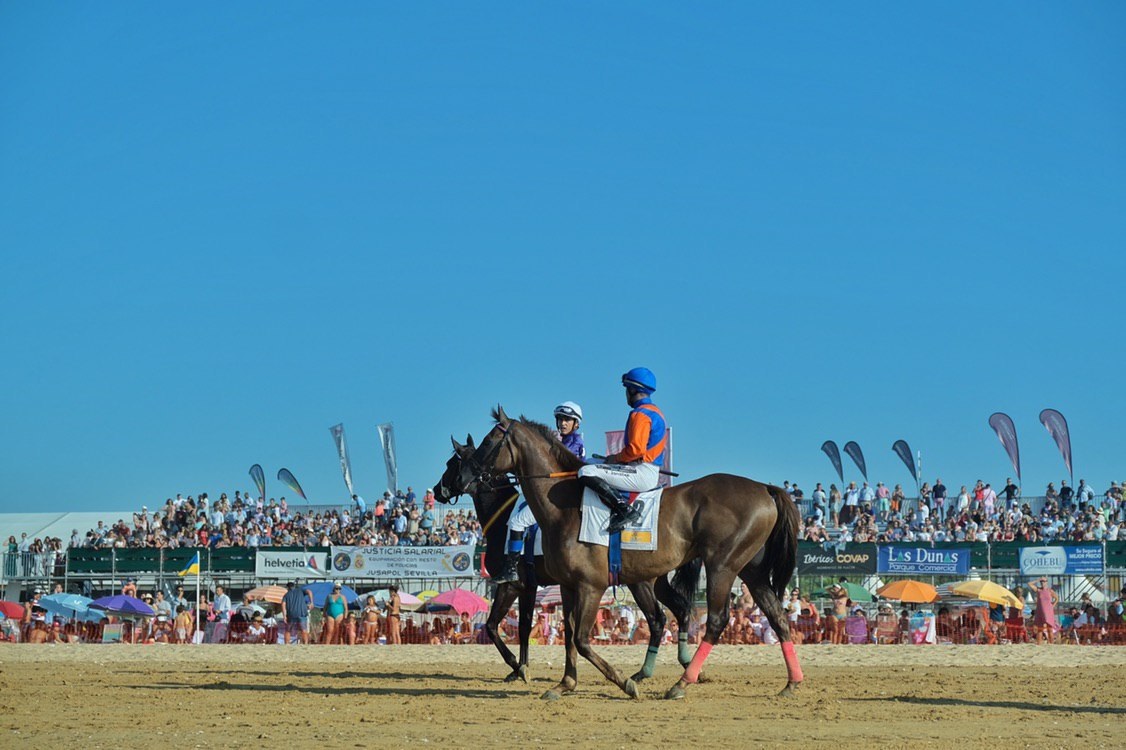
(450, 486)
(483, 466)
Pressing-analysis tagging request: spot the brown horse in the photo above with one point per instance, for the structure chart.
(494, 504)
(739, 527)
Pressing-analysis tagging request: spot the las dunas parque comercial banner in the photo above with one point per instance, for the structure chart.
(908, 560)
(270, 564)
(402, 562)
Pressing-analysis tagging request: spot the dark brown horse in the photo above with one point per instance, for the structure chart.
(739, 527)
(493, 504)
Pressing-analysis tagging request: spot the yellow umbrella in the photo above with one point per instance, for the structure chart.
(987, 591)
(427, 595)
(915, 592)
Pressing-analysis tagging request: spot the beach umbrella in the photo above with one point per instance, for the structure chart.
(408, 601)
(11, 609)
(549, 596)
(426, 595)
(271, 594)
(985, 591)
(67, 605)
(458, 600)
(123, 604)
(856, 592)
(915, 592)
(322, 589)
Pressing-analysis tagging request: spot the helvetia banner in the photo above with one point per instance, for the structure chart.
(283, 565)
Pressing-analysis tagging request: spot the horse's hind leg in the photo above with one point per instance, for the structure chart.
(767, 600)
(681, 609)
(505, 595)
(644, 594)
(720, 579)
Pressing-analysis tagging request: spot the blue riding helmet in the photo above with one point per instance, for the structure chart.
(640, 379)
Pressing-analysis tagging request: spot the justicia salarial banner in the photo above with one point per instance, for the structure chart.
(387, 440)
(1006, 431)
(342, 449)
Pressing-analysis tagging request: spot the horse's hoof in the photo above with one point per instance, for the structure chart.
(630, 687)
(675, 693)
(551, 695)
(522, 673)
(513, 676)
(790, 690)
(640, 676)
(703, 678)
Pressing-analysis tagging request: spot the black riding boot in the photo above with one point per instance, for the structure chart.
(621, 512)
(511, 572)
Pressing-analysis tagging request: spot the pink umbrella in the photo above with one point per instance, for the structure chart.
(459, 600)
(550, 597)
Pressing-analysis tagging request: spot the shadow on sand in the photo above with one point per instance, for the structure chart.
(1017, 705)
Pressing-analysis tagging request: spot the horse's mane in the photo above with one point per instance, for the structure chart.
(568, 461)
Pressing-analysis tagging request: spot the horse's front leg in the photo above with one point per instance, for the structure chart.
(505, 595)
(571, 669)
(586, 608)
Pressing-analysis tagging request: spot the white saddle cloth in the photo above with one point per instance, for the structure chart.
(641, 535)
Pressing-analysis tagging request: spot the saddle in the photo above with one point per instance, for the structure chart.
(640, 536)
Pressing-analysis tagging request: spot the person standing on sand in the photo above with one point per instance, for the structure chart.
(1044, 612)
(394, 616)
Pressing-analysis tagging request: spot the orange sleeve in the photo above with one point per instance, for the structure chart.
(637, 438)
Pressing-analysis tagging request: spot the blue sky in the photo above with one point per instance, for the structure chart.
(225, 229)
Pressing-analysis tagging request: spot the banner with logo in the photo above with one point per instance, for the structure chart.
(830, 449)
(903, 450)
(1057, 428)
(1006, 431)
(402, 562)
(852, 448)
(299, 564)
(907, 560)
(259, 478)
(1083, 560)
(616, 440)
(342, 450)
(387, 440)
(855, 559)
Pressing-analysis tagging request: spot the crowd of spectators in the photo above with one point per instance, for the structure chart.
(399, 519)
(980, 513)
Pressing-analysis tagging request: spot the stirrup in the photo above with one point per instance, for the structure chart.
(621, 517)
(511, 572)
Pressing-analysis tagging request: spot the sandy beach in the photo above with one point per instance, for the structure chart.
(234, 696)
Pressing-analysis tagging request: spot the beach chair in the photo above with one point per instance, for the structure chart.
(856, 629)
(887, 629)
(1015, 630)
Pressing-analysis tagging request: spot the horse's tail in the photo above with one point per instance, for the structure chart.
(782, 546)
(686, 579)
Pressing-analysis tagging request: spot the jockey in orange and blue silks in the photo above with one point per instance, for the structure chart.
(637, 467)
(568, 417)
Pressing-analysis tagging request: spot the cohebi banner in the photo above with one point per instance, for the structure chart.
(1084, 560)
(923, 560)
(271, 564)
(402, 562)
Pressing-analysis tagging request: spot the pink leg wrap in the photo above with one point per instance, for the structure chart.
(693, 672)
(792, 665)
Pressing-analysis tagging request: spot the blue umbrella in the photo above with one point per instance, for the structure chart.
(69, 606)
(122, 604)
(322, 589)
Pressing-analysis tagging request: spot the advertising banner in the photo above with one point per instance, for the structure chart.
(341, 443)
(1084, 560)
(387, 440)
(856, 559)
(270, 564)
(852, 448)
(402, 562)
(830, 449)
(907, 560)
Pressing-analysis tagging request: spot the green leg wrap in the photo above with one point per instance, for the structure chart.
(683, 652)
(650, 662)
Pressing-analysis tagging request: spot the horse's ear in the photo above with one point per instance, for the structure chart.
(457, 446)
(502, 418)
(469, 442)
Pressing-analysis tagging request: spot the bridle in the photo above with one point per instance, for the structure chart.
(482, 468)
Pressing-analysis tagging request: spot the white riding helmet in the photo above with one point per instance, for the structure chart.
(569, 410)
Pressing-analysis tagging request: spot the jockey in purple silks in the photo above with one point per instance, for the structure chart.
(568, 417)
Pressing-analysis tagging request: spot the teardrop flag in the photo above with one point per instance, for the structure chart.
(285, 476)
(903, 450)
(1006, 431)
(259, 478)
(854, 452)
(834, 453)
(1057, 427)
